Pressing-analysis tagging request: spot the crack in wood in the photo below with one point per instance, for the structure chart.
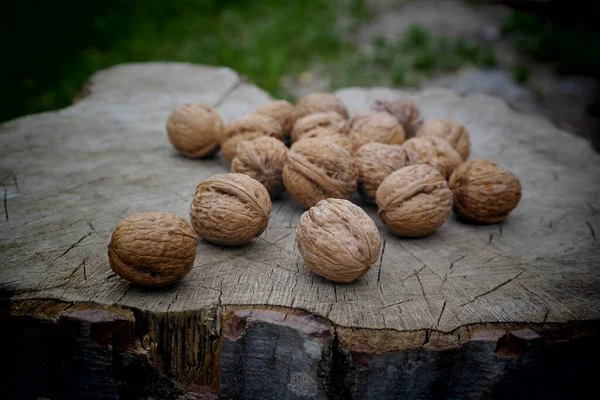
(396, 304)
(71, 247)
(587, 223)
(6, 204)
(441, 312)
(545, 316)
(457, 260)
(415, 273)
(227, 93)
(409, 252)
(381, 263)
(180, 197)
(494, 288)
(94, 229)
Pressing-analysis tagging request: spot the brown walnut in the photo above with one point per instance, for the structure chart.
(152, 249)
(320, 102)
(375, 161)
(374, 126)
(317, 169)
(405, 111)
(436, 152)
(338, 240)
(248, 127)
(318, 120)
(484, 192)
(194, 130)
(262, 159)
(230, 209)
(414, 201)
(332, 135)
(281, 111)
(451, 131)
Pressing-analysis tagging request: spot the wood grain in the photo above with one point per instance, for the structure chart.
(70, 176)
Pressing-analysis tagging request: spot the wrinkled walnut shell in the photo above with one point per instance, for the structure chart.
(230, 209)
(281, 111)
(332, 135)
(449, 130)
(316, 169)
(194, 130)
(484, 192)
(373, 126)
(262, 159)
(152, 249)
(318, 120)
(338, 240)
(405, 111)
(414, 201)
(435, 152)
(320, 102)
(375, 161)
(248, 127)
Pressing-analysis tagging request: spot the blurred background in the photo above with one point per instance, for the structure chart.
(540, 56)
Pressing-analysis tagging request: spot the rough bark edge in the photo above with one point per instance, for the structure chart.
(185, 346)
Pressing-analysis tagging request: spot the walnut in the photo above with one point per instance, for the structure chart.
(436, 152)
(449, 130)
(332, 135)
(248, 127)
(262, 159)
(414, 201)
(375, 161)
(152, 249)
(405, 111)
(317, 169)
(281, 111)
(484, 192)
(194, 130)
(318, 120)
(230, 209)
(320, 102)
(338, 240)
(374, 126)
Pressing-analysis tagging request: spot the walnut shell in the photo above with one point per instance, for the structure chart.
(414, 201)
(338, 240)
(374, 126)
(318, 120)
(330, 134)
(449, 130)
(194, 130)
(436, 152)
(230, 209)
(320, 102)
(375, 161)
(262, 159)
(248, 127)
(405, 111)
(316, 169)
(152, 249)
(281, 111)
(484, 192)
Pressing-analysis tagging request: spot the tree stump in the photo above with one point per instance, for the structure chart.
(506, 310)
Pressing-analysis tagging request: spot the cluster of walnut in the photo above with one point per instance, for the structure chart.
(415, 171)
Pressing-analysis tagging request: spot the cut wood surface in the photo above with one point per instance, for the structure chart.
(70, 176)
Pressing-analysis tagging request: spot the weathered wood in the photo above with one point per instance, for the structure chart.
(70, 176)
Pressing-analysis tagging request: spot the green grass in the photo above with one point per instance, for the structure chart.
(414, 56)
(51, 48)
